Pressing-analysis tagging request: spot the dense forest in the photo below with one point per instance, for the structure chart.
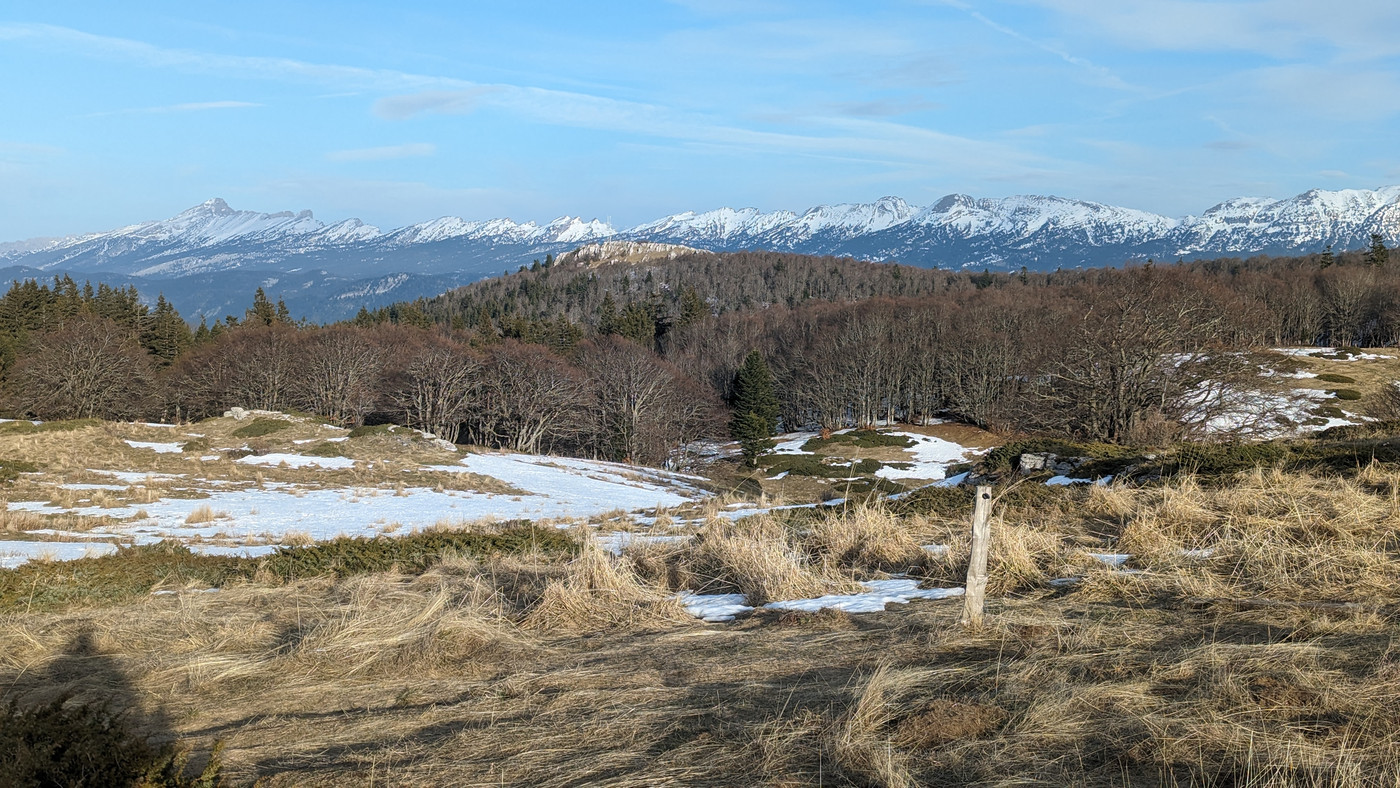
(631, 362)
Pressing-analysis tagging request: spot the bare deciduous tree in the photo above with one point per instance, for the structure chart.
(437, 386)
(642, 405)
(531, 400)
(90, 368)
(339, 368)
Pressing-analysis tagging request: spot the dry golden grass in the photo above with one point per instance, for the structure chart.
(1232, 669)
(597, 592)
(870, 537)
(202, 514)
(756, 557)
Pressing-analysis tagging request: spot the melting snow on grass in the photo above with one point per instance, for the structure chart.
(550, 487)
(158, 448)
(1065, 481)
(878, 594)
(618, 541)
(15, 553)
(714, 607)
(297, 461)
(596, 486)
(932, 456)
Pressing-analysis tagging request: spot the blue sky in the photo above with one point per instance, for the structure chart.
(112, 113)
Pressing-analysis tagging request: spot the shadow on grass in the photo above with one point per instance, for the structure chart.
(79, 722)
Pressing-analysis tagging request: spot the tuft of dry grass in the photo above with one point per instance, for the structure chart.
(756, 557)
(597, 591)
(203, 514)
(868, 537)
(384, 625)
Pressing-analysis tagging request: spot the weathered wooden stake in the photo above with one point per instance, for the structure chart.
(976, 593)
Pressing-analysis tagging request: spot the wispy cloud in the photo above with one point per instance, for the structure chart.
(10, 148)
(384, 153)
(411, 94)
(1098, 74)
(886, 108)
(194, 106)
(441, 102)
(1354, 28)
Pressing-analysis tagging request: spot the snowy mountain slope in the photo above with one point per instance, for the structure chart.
(958, 231)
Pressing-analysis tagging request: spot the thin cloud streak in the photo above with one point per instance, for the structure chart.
(414, 94)
(195, 106)
(384, 153)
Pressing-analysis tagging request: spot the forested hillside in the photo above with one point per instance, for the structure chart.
(631, 362)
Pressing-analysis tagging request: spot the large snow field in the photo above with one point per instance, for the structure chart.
(928, 459)
(931, 458)
(556, 488)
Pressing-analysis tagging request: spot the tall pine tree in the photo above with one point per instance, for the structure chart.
(755, 419)
(1377, 255)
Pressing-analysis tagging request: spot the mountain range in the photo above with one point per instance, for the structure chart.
(208, 259)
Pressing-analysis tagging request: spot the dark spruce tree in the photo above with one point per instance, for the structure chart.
(1377, 255)
(755, 419)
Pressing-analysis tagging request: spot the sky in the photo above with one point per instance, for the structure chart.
(115, 113)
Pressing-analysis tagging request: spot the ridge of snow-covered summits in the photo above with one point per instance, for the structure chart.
(956, 231)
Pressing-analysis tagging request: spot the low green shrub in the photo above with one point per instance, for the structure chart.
(324, 450)
(89, 744)
(798, 465)
(811, 465)
(1007, 456)
(132, 572)
(413, 554)
(367, 430)
(939, 501)
(128, 573)
(1356, 432)
(866, 466)
(11, 469)
(864, 439)
(1348, 395)
(259, 427)
(1214, 459)
(1332, 377)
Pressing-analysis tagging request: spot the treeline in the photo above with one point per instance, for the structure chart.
(637, 361)
(1326, 298)
(546, 302)
(104, 354)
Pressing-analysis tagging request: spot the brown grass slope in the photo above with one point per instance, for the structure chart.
(1270, 660)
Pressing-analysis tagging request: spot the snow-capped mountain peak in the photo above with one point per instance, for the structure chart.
(574, 230)
(956, 231)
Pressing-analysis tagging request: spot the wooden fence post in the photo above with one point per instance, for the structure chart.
(976, 593)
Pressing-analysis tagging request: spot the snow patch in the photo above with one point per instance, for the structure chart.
(158, 448)
(297, 461)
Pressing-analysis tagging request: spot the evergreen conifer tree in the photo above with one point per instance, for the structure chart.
(1377, 255)
(263, 312)
(165, 335)
(693, 308)
(755, 419)
(1328, 259)
(607, 315)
